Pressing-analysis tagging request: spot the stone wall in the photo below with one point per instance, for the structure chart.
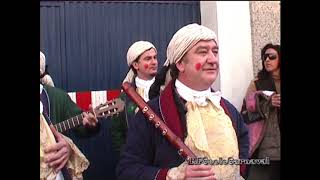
(265, 28)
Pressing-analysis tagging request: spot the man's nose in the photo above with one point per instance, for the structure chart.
(154, 61)
(212, 58)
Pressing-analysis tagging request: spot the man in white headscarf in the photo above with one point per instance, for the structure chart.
(207, 123)
(45, 78)
(143, 64)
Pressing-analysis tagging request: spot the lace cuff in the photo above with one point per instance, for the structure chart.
(177, 173)
(77, 163)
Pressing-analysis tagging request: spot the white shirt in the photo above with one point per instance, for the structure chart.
(145, 85)
(198, 97)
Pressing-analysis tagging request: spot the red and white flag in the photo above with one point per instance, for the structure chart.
(85, 98)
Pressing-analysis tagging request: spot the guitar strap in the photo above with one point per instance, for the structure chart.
(44, 98)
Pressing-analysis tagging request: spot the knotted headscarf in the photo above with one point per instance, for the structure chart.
(183, 40)
(46, 79)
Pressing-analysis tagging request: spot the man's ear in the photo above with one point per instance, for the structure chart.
(135, 65)
(180, 66)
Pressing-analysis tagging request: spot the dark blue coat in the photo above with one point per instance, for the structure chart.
(148, 155)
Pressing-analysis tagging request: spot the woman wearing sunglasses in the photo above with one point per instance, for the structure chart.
(261, 110)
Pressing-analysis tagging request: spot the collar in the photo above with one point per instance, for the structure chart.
(41, 106)
(276, 76)
(140, 83)
(199, 97)
(145, 85)
(41, 88)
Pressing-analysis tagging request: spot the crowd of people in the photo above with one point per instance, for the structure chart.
(181, 94)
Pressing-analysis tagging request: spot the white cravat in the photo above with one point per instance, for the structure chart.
(198, 97)
(145, 85)
(41, 88)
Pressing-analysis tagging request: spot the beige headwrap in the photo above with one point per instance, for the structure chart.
(47, 80)
(183, 40)
(135, 50)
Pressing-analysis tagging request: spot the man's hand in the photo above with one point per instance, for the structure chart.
(276, 100)
(57, 155)
(199, 172)
(89, 119)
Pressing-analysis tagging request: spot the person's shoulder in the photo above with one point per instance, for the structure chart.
(56, 90)
(229, 105)
(254, 80)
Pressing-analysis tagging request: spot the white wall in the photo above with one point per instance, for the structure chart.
(236, 69)
(232, 25)
(208, 11)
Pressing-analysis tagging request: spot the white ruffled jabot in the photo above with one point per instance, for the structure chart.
(198, 97)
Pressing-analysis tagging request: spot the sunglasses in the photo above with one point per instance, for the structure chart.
(270, 56)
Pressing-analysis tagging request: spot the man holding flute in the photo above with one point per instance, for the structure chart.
(208, 124)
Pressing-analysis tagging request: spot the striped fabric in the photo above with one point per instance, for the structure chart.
(84, 99)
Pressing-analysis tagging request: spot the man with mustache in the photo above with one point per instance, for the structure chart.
(207, 123)
(143, 64)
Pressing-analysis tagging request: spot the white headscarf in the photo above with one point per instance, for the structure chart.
(135, 50)
(183, 40)
(47, 80)
(42, 63)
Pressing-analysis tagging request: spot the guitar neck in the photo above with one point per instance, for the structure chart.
(69, 123)
(103, 110)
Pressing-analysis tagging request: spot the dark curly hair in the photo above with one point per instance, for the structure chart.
(264, 74)
(159, 81)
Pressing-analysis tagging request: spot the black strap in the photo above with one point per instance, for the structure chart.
(45, 102)
(46, 118)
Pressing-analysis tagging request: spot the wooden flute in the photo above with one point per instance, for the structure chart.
(183, 150)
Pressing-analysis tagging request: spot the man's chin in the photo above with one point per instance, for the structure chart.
(211, 79)
(153, 74)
